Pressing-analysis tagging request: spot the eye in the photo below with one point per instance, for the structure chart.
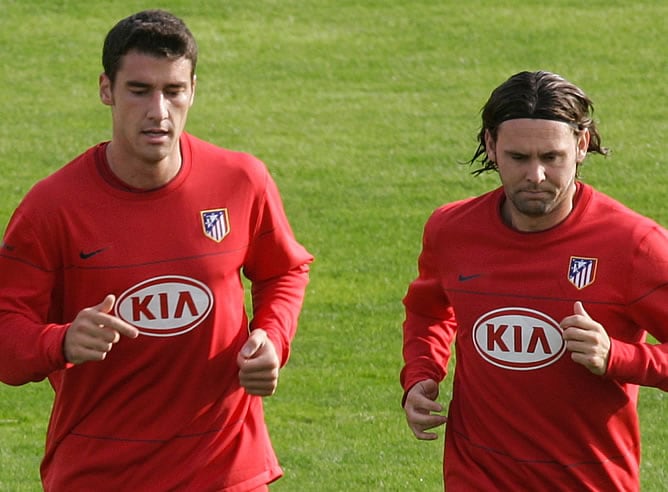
(174, 92)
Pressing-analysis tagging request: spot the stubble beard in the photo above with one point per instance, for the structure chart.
(534, 207)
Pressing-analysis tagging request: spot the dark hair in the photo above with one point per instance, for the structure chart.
(152, 32)
(538, 95)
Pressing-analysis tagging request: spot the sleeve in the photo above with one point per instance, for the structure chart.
(430, 326)
(30, 346)
(278, 268)
(643, 363)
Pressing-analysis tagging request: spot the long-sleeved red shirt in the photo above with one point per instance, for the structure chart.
(523, 415)
(164, 411)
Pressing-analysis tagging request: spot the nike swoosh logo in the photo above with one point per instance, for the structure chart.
(465, 278)
(85, 256)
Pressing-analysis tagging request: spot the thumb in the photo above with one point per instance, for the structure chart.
(578, 308)
(430, 388)
(255, 342)
(106, 305)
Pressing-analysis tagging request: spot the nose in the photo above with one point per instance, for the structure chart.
(158, 107)
(535, 172)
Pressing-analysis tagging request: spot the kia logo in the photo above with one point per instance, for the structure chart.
(165, 306)
(519, 339)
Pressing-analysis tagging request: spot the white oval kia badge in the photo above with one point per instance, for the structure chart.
(165, 306)
(519, 339)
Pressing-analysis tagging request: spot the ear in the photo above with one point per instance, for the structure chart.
(490, 146)
(192, 94)
(582, 145)
(106, 95)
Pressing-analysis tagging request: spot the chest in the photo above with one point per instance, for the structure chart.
(509, 302)
(164, 259)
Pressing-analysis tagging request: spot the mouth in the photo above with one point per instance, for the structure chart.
(535, 192)
(156, 134)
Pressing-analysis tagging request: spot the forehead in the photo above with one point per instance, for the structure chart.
(530, 132)
(155, 70)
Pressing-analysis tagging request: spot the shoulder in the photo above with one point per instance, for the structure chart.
(619, 223)
(465, 211)
(603, 207)
(67, 182)
(214, 158)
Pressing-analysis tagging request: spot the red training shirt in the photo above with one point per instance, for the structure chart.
(164, 411)
(523, 415)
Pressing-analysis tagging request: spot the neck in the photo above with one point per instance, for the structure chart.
(140, 174)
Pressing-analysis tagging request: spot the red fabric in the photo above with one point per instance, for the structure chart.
(523, 414)
(162, 410)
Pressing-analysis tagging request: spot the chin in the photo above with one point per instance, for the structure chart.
(534, 209)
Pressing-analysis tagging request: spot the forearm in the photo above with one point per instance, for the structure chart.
(277, 303)
(426, 349)
(639, 363)
(30, 352)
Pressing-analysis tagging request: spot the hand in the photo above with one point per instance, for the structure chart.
(258, 364)
(94, 332)
(419, 405)
(586, 340)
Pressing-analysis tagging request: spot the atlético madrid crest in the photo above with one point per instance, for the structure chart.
(582, 271)
(215, 223)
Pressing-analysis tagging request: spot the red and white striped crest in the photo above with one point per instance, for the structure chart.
(582, 271)
(215, 224)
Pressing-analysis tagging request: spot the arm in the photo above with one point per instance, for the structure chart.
(429, 330)
(638, 362)
(276, 307)
(635, 362)
(278, 267)
(30, 347)
(277, 303)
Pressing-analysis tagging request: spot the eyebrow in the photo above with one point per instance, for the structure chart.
(547, 152)
(145, 85)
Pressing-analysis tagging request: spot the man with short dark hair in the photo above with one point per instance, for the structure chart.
(120, 283)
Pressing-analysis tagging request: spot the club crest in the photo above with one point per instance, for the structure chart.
(215, 224)
(582, 271)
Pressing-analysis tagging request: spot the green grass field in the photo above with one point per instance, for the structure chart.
(362, 111)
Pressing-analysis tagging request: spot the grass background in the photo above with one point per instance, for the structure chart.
(362, 111)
